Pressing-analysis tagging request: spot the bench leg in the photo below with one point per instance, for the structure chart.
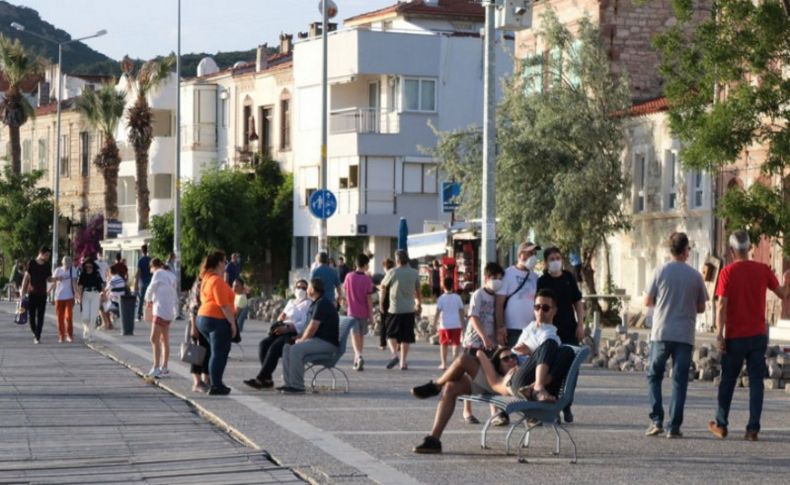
(510, 433)
(557, 446)
(485, 432)
(525, 441)
(572, 443)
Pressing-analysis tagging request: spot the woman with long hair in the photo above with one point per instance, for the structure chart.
(216, 318)
(162, 298)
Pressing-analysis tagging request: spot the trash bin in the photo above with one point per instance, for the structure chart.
(128, 306)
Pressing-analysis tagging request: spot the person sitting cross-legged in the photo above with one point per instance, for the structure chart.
(466, 375)
(289, 325)
(548, 362)
(322, 335)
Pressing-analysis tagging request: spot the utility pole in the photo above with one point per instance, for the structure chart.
(488, 247)
(177, 205)
(323, 243)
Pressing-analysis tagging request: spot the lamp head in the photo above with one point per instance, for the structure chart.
(331, 8)
(101, 32)
(17, 26)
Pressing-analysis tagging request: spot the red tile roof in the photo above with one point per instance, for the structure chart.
(445, 8)
(649, 107)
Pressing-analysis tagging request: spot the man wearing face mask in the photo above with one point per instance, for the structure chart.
(516, 297)
(289, 325)
(569, 318)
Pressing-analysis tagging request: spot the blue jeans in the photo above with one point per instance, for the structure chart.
(217, 332)
(752, 350)
(241, 317)
(681, 360)
(141, 299)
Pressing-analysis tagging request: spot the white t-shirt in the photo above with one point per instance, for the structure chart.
(116, 286)
(519, 311)
(296, 313)
(534, 336)
(64, 289)
(450, 304)
(162, 292)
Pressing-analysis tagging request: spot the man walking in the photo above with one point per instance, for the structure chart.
(328, 275)
(516, 296)
(358, 287)
(34, 285)
(742, 331)
(677, 294)
(232, 269)
(403, 285)
(142, 279)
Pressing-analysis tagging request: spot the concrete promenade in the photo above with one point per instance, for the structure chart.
(366, 436)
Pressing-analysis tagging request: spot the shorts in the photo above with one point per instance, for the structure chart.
(161, 322)
(400, 326)
(450, 336)
(361, 325)
(480, 384)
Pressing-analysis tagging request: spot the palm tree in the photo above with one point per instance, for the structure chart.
(17, 65)
(103, 108)
(139, 118)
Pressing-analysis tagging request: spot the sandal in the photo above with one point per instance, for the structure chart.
(471, 419)
(544, 396)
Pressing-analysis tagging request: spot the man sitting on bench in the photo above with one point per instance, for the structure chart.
(548, 364)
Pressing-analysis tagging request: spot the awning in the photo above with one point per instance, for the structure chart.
(121, 243)
(427, 244)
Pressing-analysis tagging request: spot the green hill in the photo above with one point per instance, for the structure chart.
(79, 58)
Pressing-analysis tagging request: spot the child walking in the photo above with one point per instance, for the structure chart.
(448, 320)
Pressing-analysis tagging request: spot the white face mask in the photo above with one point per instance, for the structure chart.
(300, 294)
(494, 285)
(531, 262)
(555, 266)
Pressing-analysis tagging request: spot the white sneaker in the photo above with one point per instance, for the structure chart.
(163, 372)
(154, 372)
(36, 341)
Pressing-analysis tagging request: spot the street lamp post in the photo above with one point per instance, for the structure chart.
(55, 209)
(328, 10)
(488, 243)
(177, 205)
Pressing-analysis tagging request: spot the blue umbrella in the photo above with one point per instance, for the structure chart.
(403, 233)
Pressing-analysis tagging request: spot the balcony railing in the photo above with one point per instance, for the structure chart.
(364, 120)
(199, 137)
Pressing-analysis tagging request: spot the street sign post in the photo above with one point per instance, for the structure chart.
(114, 228)
(323, 204)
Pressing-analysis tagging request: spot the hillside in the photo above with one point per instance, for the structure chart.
(79, 58)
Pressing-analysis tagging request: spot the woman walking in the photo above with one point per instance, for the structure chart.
(216, 318)
(89, 288)
(162, 298)
(65, 279)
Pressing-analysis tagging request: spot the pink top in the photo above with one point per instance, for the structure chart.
(357, 287)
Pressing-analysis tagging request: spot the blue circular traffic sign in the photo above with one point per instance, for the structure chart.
(323, 204)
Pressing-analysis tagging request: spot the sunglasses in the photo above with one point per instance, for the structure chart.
(507, 358)
(544, 308)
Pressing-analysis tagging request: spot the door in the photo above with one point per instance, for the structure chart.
(371, 120)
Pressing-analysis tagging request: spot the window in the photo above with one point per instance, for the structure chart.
(309, 180)
(248, 127)
(265, 116)
(419, 178)
(42, 154)
(353, 176)
(223, 106)
(671, 158)
(533, 74)
(161, 184)
(285, 124)
(640, 175)
(27, 155)
(697, 189)
(85, 141)
(161, 122)
(65, 150)
(127, 200)
(419, 95)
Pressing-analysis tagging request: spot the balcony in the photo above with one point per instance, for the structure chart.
(202, 137)
(364, 120)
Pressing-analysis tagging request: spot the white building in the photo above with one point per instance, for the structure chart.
(392, 72)
(665, 197)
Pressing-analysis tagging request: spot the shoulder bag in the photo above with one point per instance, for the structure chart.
(523, 282)
(191, 352)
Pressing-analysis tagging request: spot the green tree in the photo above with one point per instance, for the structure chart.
(560, 139)
(233, 211)
(25, 214)
(17, 66)
(727, 92)
(103, 108)
(140, 123)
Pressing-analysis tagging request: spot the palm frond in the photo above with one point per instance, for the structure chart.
(16, 62)
(103, 108)
(153, 73)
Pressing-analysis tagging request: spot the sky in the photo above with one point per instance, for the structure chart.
(147, 28)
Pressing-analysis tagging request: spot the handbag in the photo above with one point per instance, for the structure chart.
(21, 311)
(191, 352)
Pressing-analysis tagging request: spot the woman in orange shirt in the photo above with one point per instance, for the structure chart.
(216, 318)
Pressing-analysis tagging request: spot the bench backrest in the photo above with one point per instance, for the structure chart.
(569, 385)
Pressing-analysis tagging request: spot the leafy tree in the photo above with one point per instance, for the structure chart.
(140, 121)
(727, 92)
(103, 108)
(559, 170)
(234, 211)
(25, 214)
(86, 242)
(17, 66)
